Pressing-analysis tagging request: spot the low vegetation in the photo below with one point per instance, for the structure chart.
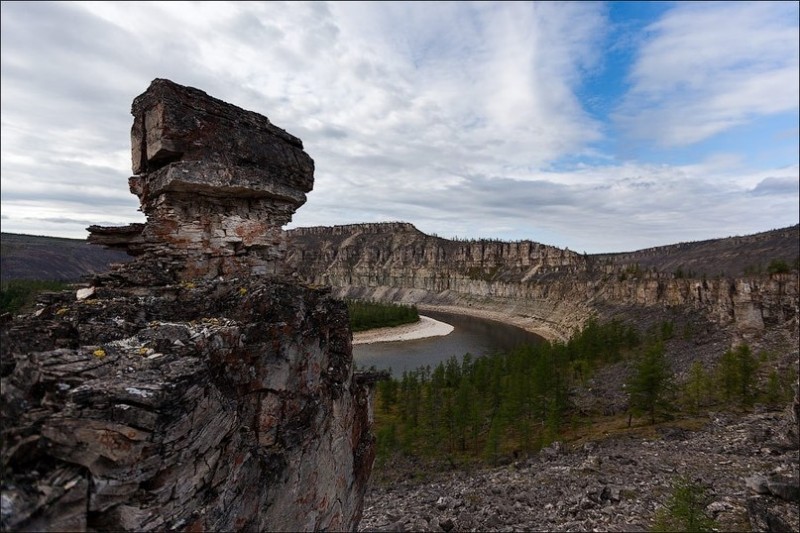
(369, 315)
(685, 509)
(19, 294)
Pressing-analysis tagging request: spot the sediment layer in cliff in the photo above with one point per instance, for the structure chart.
(216, 183)
(544, 288)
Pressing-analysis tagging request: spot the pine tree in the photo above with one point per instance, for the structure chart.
(697, 388)
(737, 373)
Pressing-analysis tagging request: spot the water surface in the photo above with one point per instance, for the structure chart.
(478, 336)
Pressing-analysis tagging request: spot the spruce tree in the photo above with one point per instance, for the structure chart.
(698, 388)
(737, 375)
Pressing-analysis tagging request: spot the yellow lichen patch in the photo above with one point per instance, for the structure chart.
(62, 310)
(99, 353)
(242, 291)
(188, 285)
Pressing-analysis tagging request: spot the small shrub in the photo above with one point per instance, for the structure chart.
(685, 509)
(778, 266)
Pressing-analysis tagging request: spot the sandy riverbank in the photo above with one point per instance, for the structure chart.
(535, 325)
(426, 327)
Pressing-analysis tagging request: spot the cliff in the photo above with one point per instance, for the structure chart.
(219, 407)
(194, 387)
(546, 289)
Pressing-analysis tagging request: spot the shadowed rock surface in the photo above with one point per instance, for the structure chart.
(226, 406)
(192, 388)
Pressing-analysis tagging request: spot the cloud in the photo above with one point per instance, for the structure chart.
(777, 186)
(704, 68)
(596, 209)
(468, 119)
(71, 221)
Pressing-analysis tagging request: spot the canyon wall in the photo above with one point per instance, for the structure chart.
(193, 388)
(542, 288)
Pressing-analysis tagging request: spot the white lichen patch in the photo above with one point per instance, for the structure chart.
(138, 392)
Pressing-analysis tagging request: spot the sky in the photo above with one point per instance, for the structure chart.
(598, 127)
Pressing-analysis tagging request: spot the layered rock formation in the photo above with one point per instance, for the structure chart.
(543, 288)
(216, 183)
(183, 410)
(187, 390)
(395, 261)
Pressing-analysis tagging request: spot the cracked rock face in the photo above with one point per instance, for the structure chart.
(543, 288)
(216, 183)
(181, 409)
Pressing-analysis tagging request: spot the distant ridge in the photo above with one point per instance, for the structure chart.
(730, 256)
(56, 258)
(727, 256)
(52, 258)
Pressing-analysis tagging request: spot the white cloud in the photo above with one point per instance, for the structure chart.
(447, 115)
(706, 67)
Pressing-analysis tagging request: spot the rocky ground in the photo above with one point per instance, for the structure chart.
(749, 463)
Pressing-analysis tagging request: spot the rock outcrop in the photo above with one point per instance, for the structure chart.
(216, 182)
(192, 388)
(546, 289)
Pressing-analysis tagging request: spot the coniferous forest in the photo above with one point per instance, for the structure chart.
(490, 407)
(369, 315)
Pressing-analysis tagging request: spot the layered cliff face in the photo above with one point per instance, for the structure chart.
(542, 288)
(192, 388)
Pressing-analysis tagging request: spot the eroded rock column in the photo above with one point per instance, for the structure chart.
(216, 183)
(191, 389)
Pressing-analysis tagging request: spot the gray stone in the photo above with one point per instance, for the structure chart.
(216, 182)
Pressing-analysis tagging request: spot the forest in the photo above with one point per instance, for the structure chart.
(369, 315)
(492, 407)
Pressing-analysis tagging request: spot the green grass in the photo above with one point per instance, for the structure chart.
(19, 294)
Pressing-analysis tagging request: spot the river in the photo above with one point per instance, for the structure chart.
(478, 336)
